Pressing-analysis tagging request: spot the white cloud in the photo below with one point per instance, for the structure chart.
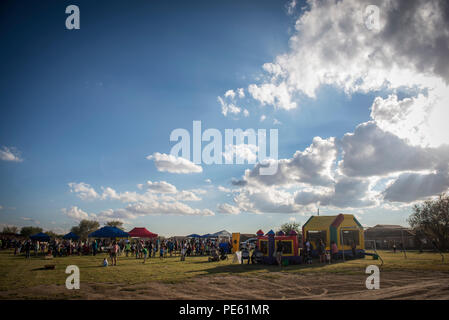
(31, 220)
(410, 187)
(83, 190)
(10, 154)
(277, 95)
(159, 197)
(169, 163)
(242, 152)
(345, 193)
(312, 166)
(228, 107)
(228, 209)
(157, 208)
(230, 94)
(262, 118)
(331, 45)
(370, 151)
(417, 119)
(75, 213)
(223, 189)
(161, 187)
(291, 7)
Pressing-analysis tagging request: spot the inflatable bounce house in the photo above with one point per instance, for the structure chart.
(268, 243)
(343, 229)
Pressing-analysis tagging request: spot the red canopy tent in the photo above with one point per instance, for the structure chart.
(142, 233)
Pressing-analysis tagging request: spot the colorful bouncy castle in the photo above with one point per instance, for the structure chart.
(343, 229)
(268, 244)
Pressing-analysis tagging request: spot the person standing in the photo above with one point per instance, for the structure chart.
(145, 254)
(161, 253)
(94, 247)
(322, 251)
(27, 249)
(279, 250)
(113, 254)
(308, 254)
(127, 248)
(353, 248)
(334, 250)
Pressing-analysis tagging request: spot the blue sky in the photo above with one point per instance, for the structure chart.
(88, 106)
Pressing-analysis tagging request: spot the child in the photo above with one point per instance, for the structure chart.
(328, 257)
(183, 254)
(161, 253)
(105, 262)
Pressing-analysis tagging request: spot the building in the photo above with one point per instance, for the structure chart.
(387, 235)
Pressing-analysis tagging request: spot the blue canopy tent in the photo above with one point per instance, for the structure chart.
(207, 235)
(193, 235)
(40, 237)
(70, 236)
(109, 232)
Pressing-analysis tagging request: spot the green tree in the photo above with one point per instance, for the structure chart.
(29, 231)
(431, 218)
(53, 234)
(290, 226)
(10, 229)
(85, 227)
(115, 223)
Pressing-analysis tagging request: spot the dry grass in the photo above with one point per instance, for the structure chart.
(18, 272)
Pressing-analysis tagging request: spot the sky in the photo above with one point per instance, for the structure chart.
(360, 102)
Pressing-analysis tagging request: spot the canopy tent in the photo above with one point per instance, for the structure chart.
(193, 235)
(221, 234)
(109, 232)
(40, 237)
(142, 233)
(207, 235)
(70, 236)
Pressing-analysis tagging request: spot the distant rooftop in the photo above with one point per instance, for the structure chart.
(387, 226)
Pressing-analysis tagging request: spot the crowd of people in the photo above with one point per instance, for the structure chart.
(161, 248)
(138, 248)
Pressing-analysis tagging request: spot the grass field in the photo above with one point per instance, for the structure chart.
(20, 273)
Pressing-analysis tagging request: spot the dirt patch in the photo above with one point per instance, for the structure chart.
(280, 285)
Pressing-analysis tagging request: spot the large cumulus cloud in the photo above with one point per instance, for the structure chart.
(405, 141)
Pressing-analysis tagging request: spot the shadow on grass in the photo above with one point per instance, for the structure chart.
(43, 269)
(246, 268)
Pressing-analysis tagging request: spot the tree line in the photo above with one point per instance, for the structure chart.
(82, 229)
